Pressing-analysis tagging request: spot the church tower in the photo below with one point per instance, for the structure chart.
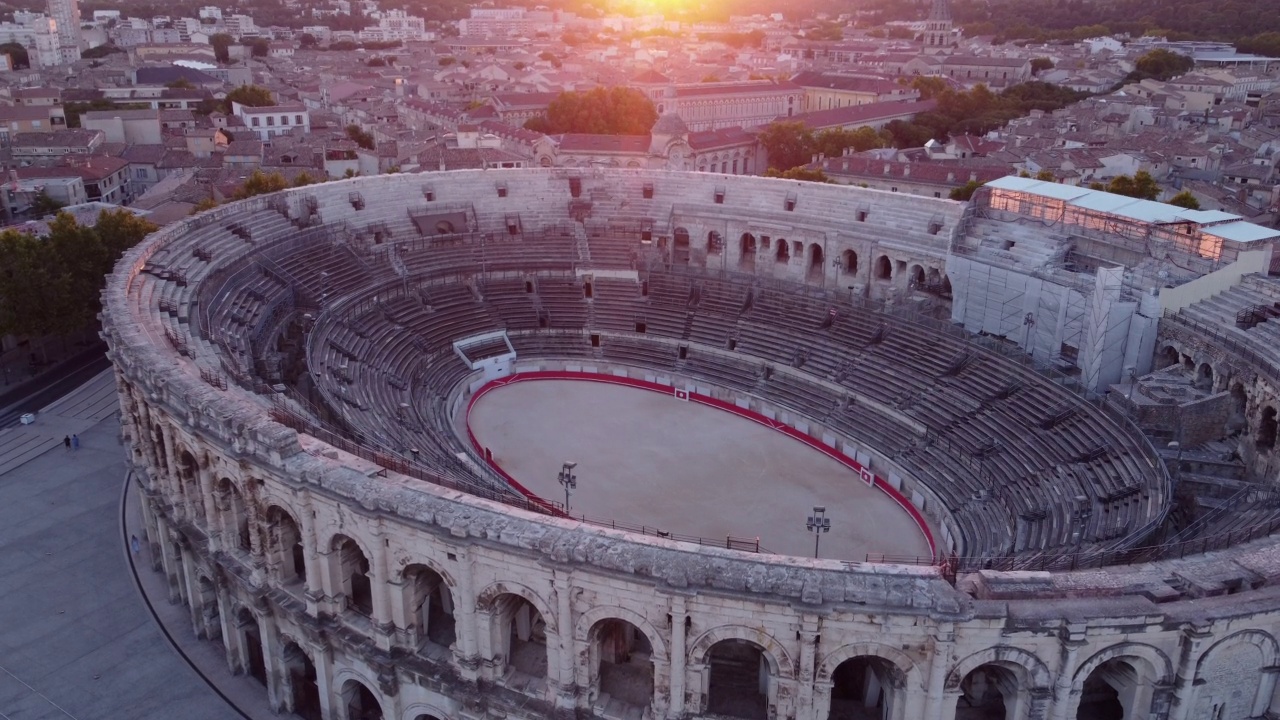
(938, 30)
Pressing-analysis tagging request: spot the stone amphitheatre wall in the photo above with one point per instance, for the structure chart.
(332, 578)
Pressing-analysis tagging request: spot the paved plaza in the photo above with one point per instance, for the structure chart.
(77, 639)
(648, 458)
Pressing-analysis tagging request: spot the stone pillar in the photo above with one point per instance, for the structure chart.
(1269, 693)
(398, 611)
(1067, 658)
(330, 708)
(466, 620)
(205, 474)
(230, 629)
(1184, 691)
(192, 586)
(810, 626)
(273, 660)
(675, 705)
(313, 592)
(383, 626)
(565, 681)
(935, 692)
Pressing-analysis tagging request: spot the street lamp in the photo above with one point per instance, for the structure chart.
(817, 524)
(569, 481)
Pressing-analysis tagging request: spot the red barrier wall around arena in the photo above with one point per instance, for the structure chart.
(863, 472)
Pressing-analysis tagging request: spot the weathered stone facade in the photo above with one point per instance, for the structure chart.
(351, 591)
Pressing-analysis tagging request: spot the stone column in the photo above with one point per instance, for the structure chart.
(810, 626)
(192, 586)
(323, 660)
(205, 474)
(313, 591)
(935, 692)
(273, 660)
(1066, 669)
(230, 629)
(675, 705)
(1269, 693)
(1184, 691)
(466, 621)
(383, 626)
(566, 680)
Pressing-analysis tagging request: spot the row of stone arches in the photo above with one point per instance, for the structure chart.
(1263, 432)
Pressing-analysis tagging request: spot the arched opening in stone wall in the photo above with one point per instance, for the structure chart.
(849, 262)
(1188, 365)
(352, 575)
(884, 268)
(162, 455)
(932, 278)
(284, 547)
(444, 227)
(680, 246)
(1266, 438)
(715, 243)
(235, 518)
(738, 682)
(915, 276)
(428, 606)
(747, 251)
(521, 634)
(360, 702)
(989, 692)
(255, 665)
(1204, 376)
(1167, 357)
(303, 687)
(946, 285)
(623, 663)
(188, 473)
(782, 253)
(1109, 692)
(865, 688)
(815, 262)
(425, 716)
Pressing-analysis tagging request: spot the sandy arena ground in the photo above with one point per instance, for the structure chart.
(647, 458)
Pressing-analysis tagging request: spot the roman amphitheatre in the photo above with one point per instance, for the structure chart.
(1041, 426)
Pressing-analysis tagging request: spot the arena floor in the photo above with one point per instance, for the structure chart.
(647, 458)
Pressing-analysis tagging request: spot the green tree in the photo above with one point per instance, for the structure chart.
(446, 61)
(260, 183)
(180, 84)
(250, 96)
(1141, 186)
(1186, 200)
(710, 78)
(360, 137)
(806, 174)
(1040, 64)
(221, 44)
(1162, 64)
(45, 205)
(1046, 175)
(307, 40)
(965, 192)
(101, 51)
(788, 143)
(260, 47)
(205, 204)
(549, 57)
(17, 53)
(303, 179)
(601, 111)
(834, 141)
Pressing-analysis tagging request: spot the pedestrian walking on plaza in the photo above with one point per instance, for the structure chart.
(75, 442)
(133, 544)
(66, 442)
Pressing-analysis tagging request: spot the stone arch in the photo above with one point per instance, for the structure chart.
(1205, 376)
(429, 601)
(832, 660)
(419, 711)
(780, 663)
(352, 576)
(1265, 437)
(486, 597)
(1037, 674)
(1167, 356)
(358, 697)
(1153, 658)
(915, 276)
(444, 227)
(782, 252)
(234, 508)
(1254, 706)
(849, 262)
(883, 269)
(588, 620)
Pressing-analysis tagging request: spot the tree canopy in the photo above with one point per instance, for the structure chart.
(260, 183)
(250, 96)
(1141, 186)
(1186, 200)
(52, 285)
(101, 51)
(17, 53)
(360, 137)
(601, 111)
(790, 143)
(221, 44)
(975, 111)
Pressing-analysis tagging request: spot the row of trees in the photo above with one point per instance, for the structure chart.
(790, 143)
(600, 111)
(51, 286)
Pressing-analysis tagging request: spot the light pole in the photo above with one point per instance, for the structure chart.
(569, 481)
(817, 524)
